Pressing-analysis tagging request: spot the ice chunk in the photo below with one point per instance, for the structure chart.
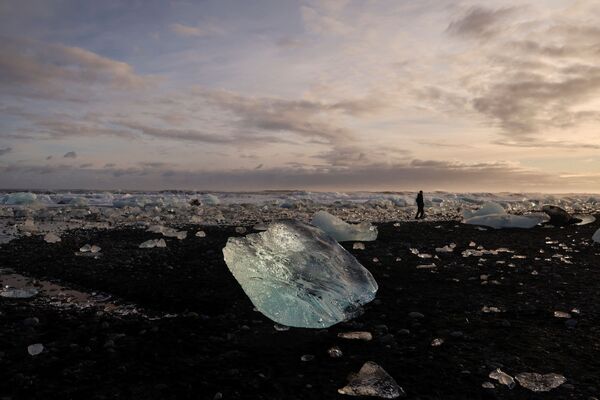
(500, 221)
(342, 231)
(488, 208)
(35, 349)
(358, 246)
(538, 382)
(596, 236)
(13, 293)
(210, 199)
(335, 352)
(298, 276)
(503, 378)
(19, 198)
(51, 238)
(358, 335)
(200, 234)
(149, 244)
(372, 380)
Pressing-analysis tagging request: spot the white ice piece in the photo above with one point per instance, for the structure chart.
(298, 276)
(343, 231)
(372, 380)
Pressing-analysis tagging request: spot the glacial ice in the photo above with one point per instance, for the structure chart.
(152, 243)
(372, 380)
(19, 198)
(538, 382)
(503, 378)
(342, 231)
(51, 237)
(494, 216)
(35, 349)
(298, 276)
(596, 236)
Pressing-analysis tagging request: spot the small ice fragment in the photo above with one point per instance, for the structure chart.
(562, 314)
(260, 227)
(596, 236)
(13, 293)
(357, 335)
(343, 231)
(307, 357)
(51, 238)
(472, 244)
(445, 249)
(372, 380)
(492, 309)
(538, 382)
(85, 248)
(487, 385)
(35, 349)
(437, 342)
(335, 352)
(149, 244)
(181, 235)
(424, 255)
(95, 249)
(281, 328)
(358, 246)
(240, 230)
(503, 378)
(426, 266)
(200, 234)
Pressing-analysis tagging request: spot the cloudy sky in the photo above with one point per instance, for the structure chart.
(301, 94)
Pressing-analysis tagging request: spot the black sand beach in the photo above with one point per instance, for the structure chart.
(213, 345)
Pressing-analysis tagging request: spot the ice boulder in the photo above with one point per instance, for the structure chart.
(210, 200)
(493, 215)
(297, 275)
(343, 231)
(596, 236)
(19, 198)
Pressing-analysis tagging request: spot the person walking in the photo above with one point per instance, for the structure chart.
(420, 206)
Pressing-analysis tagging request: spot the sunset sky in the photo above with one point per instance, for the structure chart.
(320, 95)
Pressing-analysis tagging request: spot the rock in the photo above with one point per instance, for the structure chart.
(558, 216)
(372, 380)
(538, 382)
(342, 231)
(298, 276)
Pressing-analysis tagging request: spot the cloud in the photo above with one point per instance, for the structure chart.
(207, 29)
(411, 175)
(70, 154)
(37, 69)
(5, 150)
(302, 117)
(480, 22)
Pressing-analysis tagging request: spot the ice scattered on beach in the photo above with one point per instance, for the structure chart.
(152, 243)
(538, 382)
(52, 238)
(35, 349)
(13, 293)
(299, 276)
(372, 380)
(342, 231)
(502, 378)
(357, 335)
(495, 216)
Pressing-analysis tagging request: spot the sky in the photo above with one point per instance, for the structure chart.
(300, 94)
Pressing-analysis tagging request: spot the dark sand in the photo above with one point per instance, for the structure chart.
(218, 344)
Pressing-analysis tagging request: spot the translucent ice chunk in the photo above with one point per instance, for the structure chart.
(357, 335)
(538, 382)
(486, 209)
(19, 198)
(150, 244)
(372, 380)
(200, 234)
(342, 231)
(500, 221)
(596, 236)
(13, 293)
(298, 276)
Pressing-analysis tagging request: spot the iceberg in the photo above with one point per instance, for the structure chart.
(298, 276)
(343, 231)
(596, 236)
(494, 216)
(19, 198)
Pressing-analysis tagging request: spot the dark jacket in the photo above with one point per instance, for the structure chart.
(420, 199)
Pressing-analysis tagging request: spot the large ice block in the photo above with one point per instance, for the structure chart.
(343, 231)
(297, 275)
